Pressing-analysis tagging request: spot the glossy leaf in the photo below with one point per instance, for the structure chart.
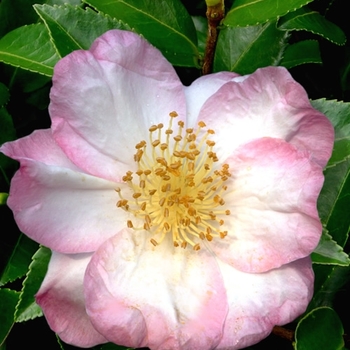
(252, 12)
(333, 200)
(201, 25)
(328, 281)
(165, 24)
(29, 47)
(328, 252)
(3, 199)
(319, 329)
(339, 115)
(73, 28)
(8, 303)
(18, 263)
(313, 22)
(27, 307)
(243, 50)
(306, 51)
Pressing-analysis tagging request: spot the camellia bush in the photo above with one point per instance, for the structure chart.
(174, 174)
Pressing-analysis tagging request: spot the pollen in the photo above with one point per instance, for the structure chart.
(178, 188)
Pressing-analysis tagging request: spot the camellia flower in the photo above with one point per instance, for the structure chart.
(178, 217)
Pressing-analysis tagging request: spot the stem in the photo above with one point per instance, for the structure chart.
(215, 13)
(284, 333)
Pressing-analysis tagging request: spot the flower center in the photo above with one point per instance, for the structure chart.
(177, 190)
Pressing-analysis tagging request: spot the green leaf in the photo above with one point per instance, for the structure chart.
(201, 25)
(319, 329)
(29, 47)
(328, 281)
(8, 303)
(333, 202)
(27, 308)
(312, 21)
(306, 51)
(243, 50)
(165, 24)
(73, 28)
(252, 12)
(328, 252)
(17, 264)
(339, 115)
(3, 199)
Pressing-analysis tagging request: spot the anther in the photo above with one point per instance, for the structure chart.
(154, 242)
(143, 206)
(196, 247)
(178, 189)
(166, 212)
(209, 237)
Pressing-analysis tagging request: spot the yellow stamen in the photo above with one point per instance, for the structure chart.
(180, 187)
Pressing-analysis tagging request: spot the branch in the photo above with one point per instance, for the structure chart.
(215, 13)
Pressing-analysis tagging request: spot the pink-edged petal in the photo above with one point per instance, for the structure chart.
(200, 90)
(104, 100)
(39, 146)
(62, 300)
(272, 197)
(55, 204)
(67, 211)
(160, 297)
(258, 302)
(267, 103)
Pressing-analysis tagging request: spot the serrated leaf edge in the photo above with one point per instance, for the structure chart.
(313, 31)
(329, 238)
(16, 317)
(265, 20)
(311, 62)
(38, 63)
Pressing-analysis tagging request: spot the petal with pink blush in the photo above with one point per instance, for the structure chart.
(267, 103)
(272, 195)
(65, 210)
(160, 297)
(104, 100)
(258, 302)
(62, 300)
(39, 146)
(200, 90)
